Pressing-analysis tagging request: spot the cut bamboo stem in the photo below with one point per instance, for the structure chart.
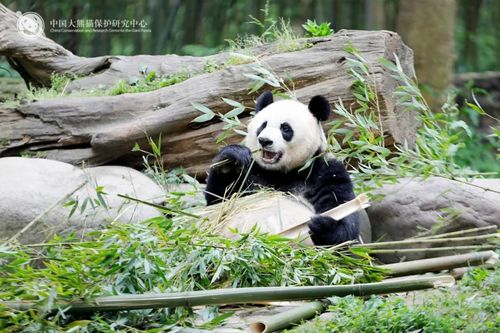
(429, 241)
(459, 272)
(460, 232)
(337, 213)
(441, 263)
(237, 295)
(434, 249)
(288, 318)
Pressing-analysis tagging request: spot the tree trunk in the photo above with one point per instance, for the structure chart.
(472, 8)
(427, 26)
(104, 129)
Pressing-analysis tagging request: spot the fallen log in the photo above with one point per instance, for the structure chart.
(104, 129)
(37, 58)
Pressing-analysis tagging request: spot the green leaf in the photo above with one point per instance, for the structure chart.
(233, 103)
(388, 64)
(202, 108)
(101, 200)
(272, 83)
(73, 209)
(240, 132)
(476, 108)
(234, 113)
(151, 76)
(208, 114)
(203, 118)
(215, 322)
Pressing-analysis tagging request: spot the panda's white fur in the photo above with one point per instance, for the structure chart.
(307, 137)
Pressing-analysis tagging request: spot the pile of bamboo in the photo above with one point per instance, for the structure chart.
(403, 278)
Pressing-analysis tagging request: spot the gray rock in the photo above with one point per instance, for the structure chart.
(30, 187)
(414, 206)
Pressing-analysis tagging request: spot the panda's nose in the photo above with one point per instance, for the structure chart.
(265, 142)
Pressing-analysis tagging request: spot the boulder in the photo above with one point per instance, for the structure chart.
(30, 187)
(272, 212)
(436, 204)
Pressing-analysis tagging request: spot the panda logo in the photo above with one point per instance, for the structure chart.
(30, 25)
(282, 137)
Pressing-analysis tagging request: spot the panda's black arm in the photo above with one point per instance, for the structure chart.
(228, 173)
(330, 187)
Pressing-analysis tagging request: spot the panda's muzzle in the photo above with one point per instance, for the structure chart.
(271, 156)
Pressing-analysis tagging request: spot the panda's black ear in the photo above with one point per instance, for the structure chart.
(320, 107)
(264, 100)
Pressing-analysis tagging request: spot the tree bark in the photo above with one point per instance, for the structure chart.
(103, 129)
(427, 26)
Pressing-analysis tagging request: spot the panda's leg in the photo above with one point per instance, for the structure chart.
(324, 230)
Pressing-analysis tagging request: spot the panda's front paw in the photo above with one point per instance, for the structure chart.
(232, 159)
(325, 230)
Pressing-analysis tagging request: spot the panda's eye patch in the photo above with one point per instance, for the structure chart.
(261, 128)
(286, 131)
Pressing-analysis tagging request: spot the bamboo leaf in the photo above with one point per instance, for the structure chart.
(203, 118)
(388, 64)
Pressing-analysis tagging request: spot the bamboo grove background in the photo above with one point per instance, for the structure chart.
(200, 27)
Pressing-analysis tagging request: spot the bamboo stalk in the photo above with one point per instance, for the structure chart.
(337, 213)
(441, 263)
(222, 162)
(159, 207)
(237, 295)
(435, 249)
(287, 318)
(460, 232)
(459, 272)
(429, 241)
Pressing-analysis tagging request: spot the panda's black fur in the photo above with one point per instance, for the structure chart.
(325, 184)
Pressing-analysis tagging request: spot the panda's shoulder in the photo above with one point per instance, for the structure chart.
(330, 167)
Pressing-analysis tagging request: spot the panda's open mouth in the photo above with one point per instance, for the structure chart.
(271, 156)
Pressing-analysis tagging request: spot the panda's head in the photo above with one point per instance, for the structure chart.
(287, 133)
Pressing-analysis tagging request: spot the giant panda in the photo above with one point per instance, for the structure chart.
(283, 136)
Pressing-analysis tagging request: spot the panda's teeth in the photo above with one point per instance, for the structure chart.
(270, 156)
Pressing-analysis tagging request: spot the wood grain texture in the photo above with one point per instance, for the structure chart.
(103, 129)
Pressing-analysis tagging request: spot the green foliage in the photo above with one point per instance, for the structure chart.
(89, 202)
(168, 253)
(207, 113)
(359, 139)
(149, 81)
(160, 255)
(317, 30)
(59, 83)
(211, 66)
(146, 81)
(478, 151)
(472, 307)
(230, 119)
(276, 31)
(154, 168)
(58, 86)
